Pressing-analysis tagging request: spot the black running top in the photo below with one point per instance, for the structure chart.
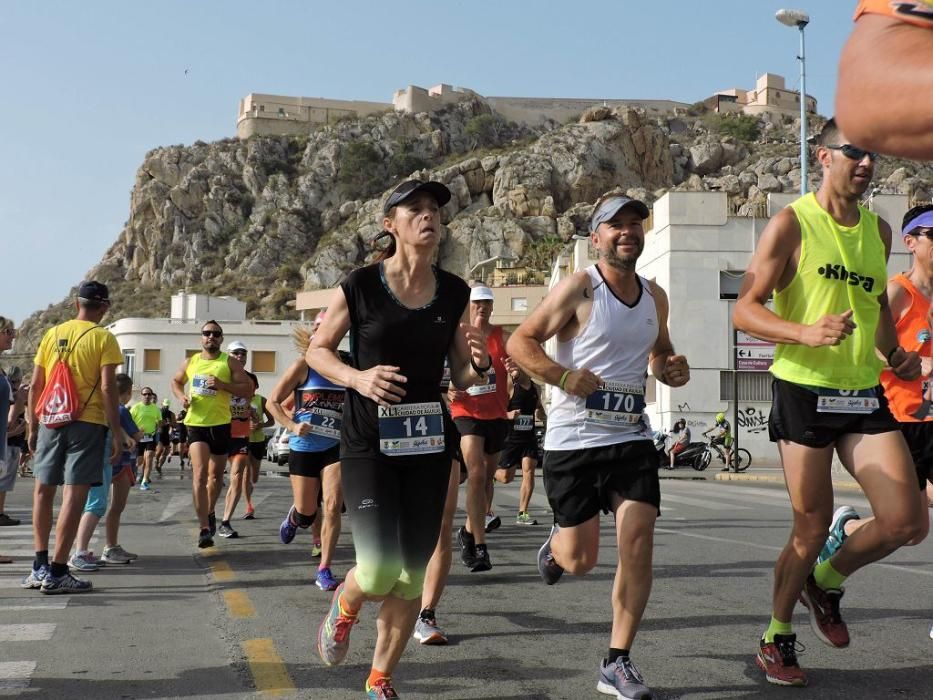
(385, 332)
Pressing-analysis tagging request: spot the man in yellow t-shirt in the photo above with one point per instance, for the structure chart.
(72, 454)
(824, 259)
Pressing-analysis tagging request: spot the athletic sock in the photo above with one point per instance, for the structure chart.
(776, 627)
(827, 577)
(344, 609)
(225, 522)
(616, 654)
(59, 569)
(374, 676)
(42, 559)
(427, 614)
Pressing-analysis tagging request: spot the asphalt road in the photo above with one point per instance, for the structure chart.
(238, 620)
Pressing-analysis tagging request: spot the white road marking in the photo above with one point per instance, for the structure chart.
(175, 504)
(33, 632)
(15, 675)
(44, 603)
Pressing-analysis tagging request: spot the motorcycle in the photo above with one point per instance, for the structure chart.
(692, 456)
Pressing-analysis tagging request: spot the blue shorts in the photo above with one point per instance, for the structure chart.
(99, 496)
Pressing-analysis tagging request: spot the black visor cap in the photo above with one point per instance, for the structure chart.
(410, 188)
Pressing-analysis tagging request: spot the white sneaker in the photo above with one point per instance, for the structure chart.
(117, 555)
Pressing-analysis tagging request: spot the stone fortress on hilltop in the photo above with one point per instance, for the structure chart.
(276, 115)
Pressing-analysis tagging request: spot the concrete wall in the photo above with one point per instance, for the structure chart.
(266, 115)
(188, 307)
(536, 110)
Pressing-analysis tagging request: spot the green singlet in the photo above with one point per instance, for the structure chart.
(840, 268)
(209, 407)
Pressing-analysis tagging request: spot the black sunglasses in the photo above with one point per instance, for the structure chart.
(853, 152)
(212, 334)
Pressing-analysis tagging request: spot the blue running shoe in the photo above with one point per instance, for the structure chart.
(288, 529)
(325, 580)
(837, 532)
(623, 680)
(66, 583)
(549, 569)
(35, 578)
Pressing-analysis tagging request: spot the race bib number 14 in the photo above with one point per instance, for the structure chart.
(411, 429)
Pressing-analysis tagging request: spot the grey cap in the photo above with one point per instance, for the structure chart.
(612, 206)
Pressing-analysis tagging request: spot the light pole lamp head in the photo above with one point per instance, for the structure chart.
(792, 18)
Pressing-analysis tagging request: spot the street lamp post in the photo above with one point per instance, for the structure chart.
(800, 19)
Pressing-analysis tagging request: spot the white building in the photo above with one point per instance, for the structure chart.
(153, 348)
(698, 253)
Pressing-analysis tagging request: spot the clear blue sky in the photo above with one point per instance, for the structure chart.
(89, 87)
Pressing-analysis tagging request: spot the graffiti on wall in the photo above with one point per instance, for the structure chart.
(753, 419)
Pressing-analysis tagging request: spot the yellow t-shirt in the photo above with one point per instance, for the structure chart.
(96, 349)
(146, 417)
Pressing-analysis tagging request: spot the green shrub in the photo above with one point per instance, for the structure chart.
(359, 169)
(484, 129)
(743, 127)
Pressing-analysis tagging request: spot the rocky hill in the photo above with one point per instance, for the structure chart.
(264, 218)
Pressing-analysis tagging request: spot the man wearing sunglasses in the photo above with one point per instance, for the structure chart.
(148, 417)
(824, 257)
(213, 378)
(885, 93)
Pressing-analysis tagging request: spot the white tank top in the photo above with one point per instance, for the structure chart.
(614, 344)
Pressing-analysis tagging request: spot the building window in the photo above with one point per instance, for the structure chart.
(519, 303)
(263, 361)
(191, 353)
(129, 363)
(730, 281)
(262, 108)
(752, 386)
(651, 390)
(152, 360)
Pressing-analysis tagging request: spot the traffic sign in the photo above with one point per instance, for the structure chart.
(752, 354)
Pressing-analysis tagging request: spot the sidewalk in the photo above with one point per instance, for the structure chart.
(768, 472)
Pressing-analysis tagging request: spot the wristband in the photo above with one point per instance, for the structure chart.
(563, 379)
(890, 354)
(477, 368)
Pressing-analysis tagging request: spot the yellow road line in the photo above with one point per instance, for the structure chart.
(222, 572)
(239, 604)
(267, 667)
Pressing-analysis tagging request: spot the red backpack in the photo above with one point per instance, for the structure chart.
(58, 403)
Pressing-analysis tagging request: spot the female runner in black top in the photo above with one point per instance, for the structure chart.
(403, 315)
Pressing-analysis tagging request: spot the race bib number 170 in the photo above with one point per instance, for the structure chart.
(615, 403)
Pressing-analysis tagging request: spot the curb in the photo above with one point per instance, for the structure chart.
(837, 485)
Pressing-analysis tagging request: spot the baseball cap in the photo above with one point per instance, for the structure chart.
(613, 206)
(92, 290)
(411, 187)
(481, 293)
(236, 345)
(165, 402)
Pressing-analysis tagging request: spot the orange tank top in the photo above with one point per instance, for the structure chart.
(487, 401)
(917, 12)
(911, 402)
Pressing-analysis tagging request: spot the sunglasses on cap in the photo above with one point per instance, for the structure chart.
(212, 334)
(852, 152)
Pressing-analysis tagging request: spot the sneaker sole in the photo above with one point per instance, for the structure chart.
(31, 586)
(231, 536)
(434, 639)
(62, 591)
(480, 566)
(814, 624)
(494, 525)
(778, 681)
(326, 590)
(206, 544)
(117, 561)
(606, 689)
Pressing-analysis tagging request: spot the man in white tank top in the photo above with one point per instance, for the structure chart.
(611, 327)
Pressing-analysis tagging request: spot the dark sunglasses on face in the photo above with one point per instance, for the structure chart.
(212, 334)
(853, 152)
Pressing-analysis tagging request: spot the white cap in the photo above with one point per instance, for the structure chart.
(481, 293)
(236, 345)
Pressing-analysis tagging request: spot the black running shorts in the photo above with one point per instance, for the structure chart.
(919, 438)
(310, 464)
(217, 437)
(257, 450)
(794, 417)
(239, 446)
(514, 452)
(148, 446)
(492, 431)
(580, 483)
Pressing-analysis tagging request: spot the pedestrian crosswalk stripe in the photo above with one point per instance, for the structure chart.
(15, 675)
(33, 632)
(49, 603)
(700, 503)
(175, 504)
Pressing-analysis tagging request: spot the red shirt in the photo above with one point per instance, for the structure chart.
(489, 401)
